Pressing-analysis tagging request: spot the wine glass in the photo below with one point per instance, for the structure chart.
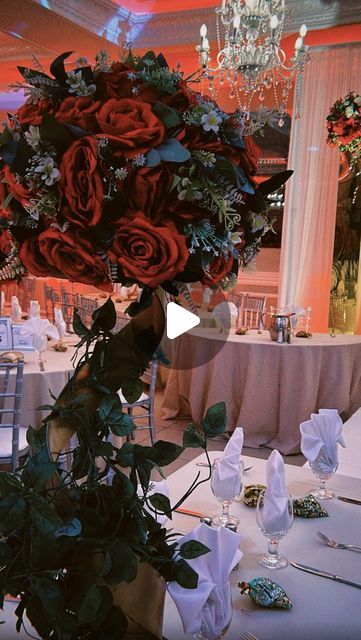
(222, 600)
(323, 469)
(273, 530)
(226, 487)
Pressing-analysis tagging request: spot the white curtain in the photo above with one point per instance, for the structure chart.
(311, 193)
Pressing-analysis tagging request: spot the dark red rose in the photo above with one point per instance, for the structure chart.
(81, 183)
(117, 84)
(17, 187)
(185, 212)
(4, 213)
(32, 114)
(5, 243)
(130, 125)
(249, 156)
(194, 139)
(80, 112)
(182, 99)
(147, 190)
(218, 268)
(146, 253)
(68, 254)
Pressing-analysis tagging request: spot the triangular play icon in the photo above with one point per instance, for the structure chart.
(179, 320)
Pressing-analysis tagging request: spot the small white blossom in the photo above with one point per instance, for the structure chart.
(78, 85)
(48, 171)
(33, 137)
(135, 91)
(103, 61)
(349, 112)
(33, 95)
(236, 237)
(211, 121)
(121, 174)
(139, 160)
(131, 76)
(357, 100)
(81, 61)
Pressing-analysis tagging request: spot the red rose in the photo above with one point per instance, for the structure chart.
(18, 189)
(147, 190)
(195, 140)
(185, 212)
(117, 84)
(131, 125)
(146, 253)
(32, 114)
(67, 254)
(218, 268)
(4, 213)
(182, 99)
(5, 243)
(79, 111)
(249, 156)
(81, 182)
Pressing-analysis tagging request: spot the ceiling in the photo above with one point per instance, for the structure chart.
(45, 28)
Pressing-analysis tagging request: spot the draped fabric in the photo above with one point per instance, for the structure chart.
(311, 193)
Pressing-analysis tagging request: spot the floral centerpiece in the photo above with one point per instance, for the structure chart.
(117, 172)
(344, 125)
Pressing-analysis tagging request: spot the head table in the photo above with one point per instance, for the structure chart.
(269, 388)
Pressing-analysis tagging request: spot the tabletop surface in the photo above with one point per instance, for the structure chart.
(322, 609)
(253, 337)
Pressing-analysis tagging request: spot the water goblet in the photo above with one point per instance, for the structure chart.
(323, 469)
(273, 531)
(222, 600)
(226, 487)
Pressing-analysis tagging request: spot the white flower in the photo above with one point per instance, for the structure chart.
(78, 85)
(357, 100)
(121, 174)
(131, 76)
(139, 160)
(349, 112)
(211, 121)
(135, 91)
(49, 173)
(33, 137)
(236, 237)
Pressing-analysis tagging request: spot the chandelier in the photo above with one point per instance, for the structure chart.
(251, 59)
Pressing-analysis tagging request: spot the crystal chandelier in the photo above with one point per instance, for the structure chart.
(251, 59)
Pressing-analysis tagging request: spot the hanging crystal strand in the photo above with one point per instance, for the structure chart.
(183, 289)
(298, 94)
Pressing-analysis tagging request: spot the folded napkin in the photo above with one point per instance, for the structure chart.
(16, 311)
(227, 472)
(209, 607)
(60, 322)
(156, 487)
(225, 314)
(40, 329)
(296, 310)
(320, 436)
(34, 309)
(275, 515)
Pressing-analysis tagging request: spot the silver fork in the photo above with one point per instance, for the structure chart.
(247, 636)
(337, 545)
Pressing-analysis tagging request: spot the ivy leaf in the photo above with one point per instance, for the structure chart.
(164, 453)
(125, 456)
(50, 593)
(55, 133)
(72, 528)
(193, 549)
(104, 449)
(185, 575)
(257, 202)
(123, 564)
(273, 184)
(192, 438)
(36, 438)
(90, 605)
(123, 487)
(9, 483)
(78, 326)
(170, 117)
(12, 512)
(132, 390)
(215, 420)
(161, 503)
(105, 316)
(38, 470)
(57, 67)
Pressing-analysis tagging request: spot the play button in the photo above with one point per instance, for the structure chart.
(179, 320)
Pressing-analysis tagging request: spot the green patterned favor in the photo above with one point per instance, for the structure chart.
(251, 493)
(266, 593)
(308, 507)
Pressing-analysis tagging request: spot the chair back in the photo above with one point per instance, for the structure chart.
(236, 298)
(51, 298)
(338, 312)
(252, 311)
(10, 407)
(26, 291)
(69, 302)
(87, 308)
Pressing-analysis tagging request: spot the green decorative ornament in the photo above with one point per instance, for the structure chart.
(251, 494)
(266, 593)
(308, 507)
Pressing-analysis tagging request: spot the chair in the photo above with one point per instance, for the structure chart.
(27, 292)
(145, 402)
(69, 302)
(51, 298)
(13, 443)
(87, 307)
(252, 311)
(235, 298)
(338, 312)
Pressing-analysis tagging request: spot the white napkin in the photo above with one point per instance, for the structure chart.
(60, 322)
(156, 487)
(275, 510)
(40, 329)
(225, 314)
(227, 473)
(320, 436)
(206, 295)
(297, 310)
(208, 607)
(34, 309)
(16, 311)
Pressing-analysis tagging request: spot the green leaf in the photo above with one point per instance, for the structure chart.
(55, 133)
(170, 117)
(108, 404)
(6, 202)
(215, 420)
(36, 438)
(89, 607)
(78, 326)
(9, 483)
(115, 626)
(161, 503)
(173, 151)
(12, 512)
(192, 438)
(5, 137)
(125, 456)
(43, 516)
(122, 427)
(71, 529)
(105, 316)
(50, 593)
(257, 202)
(38, 470)
(123, 563)
(164, 453)
(273, 184)
(185, 575)
(122, 486)
(193, 549)
(132, 390)
(111, 415)
(104, 449)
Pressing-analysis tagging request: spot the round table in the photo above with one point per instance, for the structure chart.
(269, 388)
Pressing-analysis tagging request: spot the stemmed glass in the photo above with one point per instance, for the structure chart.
(227, 489)
(323, 470)
(224, 600)
(273, 531)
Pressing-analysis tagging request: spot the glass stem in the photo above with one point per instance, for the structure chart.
(322, 487)
(273, 549)
(225, 510)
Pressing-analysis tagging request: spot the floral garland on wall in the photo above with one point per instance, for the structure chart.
(121, 172)
(344, 125)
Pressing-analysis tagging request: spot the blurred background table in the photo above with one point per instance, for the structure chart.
(269, 388)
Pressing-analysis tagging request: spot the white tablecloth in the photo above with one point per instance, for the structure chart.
(269, 388)
(322, 609)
